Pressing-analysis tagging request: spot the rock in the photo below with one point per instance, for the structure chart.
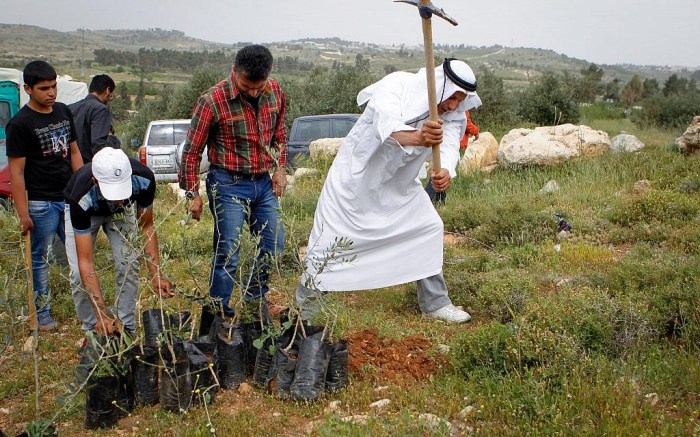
(333, 406)
(689, 142)
(380, 403)
(303, 171)
(641, 186)
(30, 344)
(652, 398)
(626, 143)
(467, 411)
(432, 421)
(551, 145)
(550, 187)
(324, 148)
(452, 240)
(481, 153)
(244, 388)
(359, 419)
(443, 349)
(175, 188)
(513, 135)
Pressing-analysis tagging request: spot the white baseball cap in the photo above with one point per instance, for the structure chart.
(112, 169)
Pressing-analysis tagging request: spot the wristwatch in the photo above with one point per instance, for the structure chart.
(191, 194)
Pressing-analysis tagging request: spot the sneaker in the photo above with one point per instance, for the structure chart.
(46, 323)
(449, 313)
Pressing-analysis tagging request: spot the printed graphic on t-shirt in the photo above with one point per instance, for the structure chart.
(54, 138)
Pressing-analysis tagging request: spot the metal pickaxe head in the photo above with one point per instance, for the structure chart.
(427, 10)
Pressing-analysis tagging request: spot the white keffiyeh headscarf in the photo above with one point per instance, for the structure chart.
(414, 98)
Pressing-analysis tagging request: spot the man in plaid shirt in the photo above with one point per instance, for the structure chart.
(241, 120)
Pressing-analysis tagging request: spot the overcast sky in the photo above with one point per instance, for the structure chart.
(602, 31)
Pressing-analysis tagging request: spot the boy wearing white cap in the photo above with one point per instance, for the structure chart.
(372, 195)
(112, 193)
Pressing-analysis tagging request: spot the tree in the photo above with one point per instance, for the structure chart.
(589, 86)
(185, 97)
(612, 90)
(632, 92)
(141, 95)
(122, 103)
(547, 102)
(498, 110)
(675, 85)
(650, 87)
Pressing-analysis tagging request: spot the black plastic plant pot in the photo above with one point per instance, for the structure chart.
(286, 364)
(100, 402)
(205, 344)
(153, 326)
(251, 332)
(126, 397)
(312, 364)
(231, 352)
(204, 386)
(263, 372)
(176, 388)
(208, 320)
(337, 373)
(144, 368)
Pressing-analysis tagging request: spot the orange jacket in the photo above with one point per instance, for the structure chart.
(472, 129)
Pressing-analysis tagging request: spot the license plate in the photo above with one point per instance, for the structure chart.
(162, 162)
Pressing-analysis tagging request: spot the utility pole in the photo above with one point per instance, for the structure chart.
(82, 52)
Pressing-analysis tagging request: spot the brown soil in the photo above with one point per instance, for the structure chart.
(406, 360)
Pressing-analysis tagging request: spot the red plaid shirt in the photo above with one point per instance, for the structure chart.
(239, 139)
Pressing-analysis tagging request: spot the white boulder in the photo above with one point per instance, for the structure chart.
(689, 142)
(626, 143)
(481, 154)
(551, 145)
(324, 148)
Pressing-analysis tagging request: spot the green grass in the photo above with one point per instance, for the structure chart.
(599, 337)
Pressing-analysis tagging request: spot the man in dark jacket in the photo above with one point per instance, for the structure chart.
(93, 118)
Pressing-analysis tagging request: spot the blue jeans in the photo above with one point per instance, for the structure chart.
(121, 230)
(48, 220)
(437, 197)
(235, 201)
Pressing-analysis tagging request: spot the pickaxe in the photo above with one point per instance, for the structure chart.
(427, 9)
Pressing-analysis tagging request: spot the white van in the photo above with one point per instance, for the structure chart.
(159, 148)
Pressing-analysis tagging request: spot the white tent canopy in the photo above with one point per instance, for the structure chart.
(69, 91)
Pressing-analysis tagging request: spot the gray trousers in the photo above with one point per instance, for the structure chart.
(432, 295)
(121, 230)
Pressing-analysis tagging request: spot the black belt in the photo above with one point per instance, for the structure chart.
(241, 175)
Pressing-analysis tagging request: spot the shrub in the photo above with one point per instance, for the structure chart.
(547, 102)
(500, 295)
(653, 205)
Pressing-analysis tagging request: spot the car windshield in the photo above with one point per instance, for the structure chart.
(167, 134)
(343, 126)
(314, 129)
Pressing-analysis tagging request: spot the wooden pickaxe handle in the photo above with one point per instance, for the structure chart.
(30, 280)
(430, 75)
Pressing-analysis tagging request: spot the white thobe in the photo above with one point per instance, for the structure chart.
(373, 198)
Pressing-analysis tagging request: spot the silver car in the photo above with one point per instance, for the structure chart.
(159, 148)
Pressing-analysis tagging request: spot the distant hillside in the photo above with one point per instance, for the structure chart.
(19, 43)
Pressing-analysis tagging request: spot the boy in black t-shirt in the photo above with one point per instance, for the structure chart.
(103, 195)
(42, 155)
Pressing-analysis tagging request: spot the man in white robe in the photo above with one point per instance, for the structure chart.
(373, 198)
